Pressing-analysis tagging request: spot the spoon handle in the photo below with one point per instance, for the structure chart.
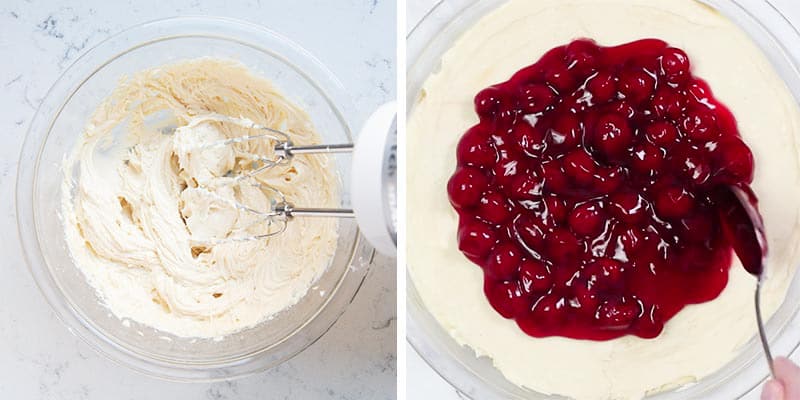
(761, 332)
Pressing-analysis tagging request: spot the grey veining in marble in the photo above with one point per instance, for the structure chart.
(39, 358)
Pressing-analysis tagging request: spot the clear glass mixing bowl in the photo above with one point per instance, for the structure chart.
(477, 377)
(59, 122)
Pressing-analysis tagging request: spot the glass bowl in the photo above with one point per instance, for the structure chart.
(52, 134)
(476, 377)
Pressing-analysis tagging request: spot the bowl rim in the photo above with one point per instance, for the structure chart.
(433, 349)
(359, 252)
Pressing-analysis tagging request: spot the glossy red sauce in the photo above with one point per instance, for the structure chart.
(586, 192)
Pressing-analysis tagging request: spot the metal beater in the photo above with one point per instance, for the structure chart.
(373, 181)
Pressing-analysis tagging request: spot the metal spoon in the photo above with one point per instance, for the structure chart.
(745, 229)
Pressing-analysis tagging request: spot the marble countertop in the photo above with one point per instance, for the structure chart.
(422, 381)
(39, 358)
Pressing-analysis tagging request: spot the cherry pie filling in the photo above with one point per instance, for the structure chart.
(586, 191)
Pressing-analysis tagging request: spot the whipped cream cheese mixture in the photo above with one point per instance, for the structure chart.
(697, 341)
(145, 204)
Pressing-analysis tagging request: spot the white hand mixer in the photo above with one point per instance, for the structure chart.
(373, 178)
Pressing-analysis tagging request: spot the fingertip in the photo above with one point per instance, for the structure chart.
(784, 366)
(781, 359)
(773, 390)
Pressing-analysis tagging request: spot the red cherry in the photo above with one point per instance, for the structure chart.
(503, 262)
(587, 296)
(582, 56)
(674, 202)
(675, 65)
(534, 277)
(555, 180)
(566, 132)
(579, 166)
(535, 98)
(700, 126)
(587, 219)
(617, 314)
(476, 239)
(628, 206)
(602, 87)
(636, 86)
(612, 135)
(529, 138)
(505, 148)
(531, 233)
(560, 78)
(647, 158)
(466, 187)
(698, 94)
(691, 165)
(621, 107)
(488, 102)
(662, 133)
(562, 245)
(667, 103)
(651, 323)
(505, 171)
(507, 298)
(556, 209)
(576, 103)
(549, 310)
(632, 240)
(505, 119)
(605, 273)
(493, 208)
(565, 273)
(527, 187)
(608, 180)
(475, 149)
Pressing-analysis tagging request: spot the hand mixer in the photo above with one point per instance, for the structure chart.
(373, 178)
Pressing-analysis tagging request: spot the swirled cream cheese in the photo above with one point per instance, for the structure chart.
(147, 207)
(697, 341)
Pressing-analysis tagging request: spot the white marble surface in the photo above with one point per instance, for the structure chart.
(422, 382)
(39, 358)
